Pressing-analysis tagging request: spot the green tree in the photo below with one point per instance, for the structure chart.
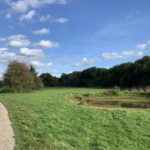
(18, 78)
(38, 82)
(49, 80)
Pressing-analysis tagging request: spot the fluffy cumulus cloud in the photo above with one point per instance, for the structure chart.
(84, 62)
(29, 56)
(37, 63)
(21, 6)
(6, 57)
(24, 51)
(28, 16)
(18, 40)
(42, 31)
(47, 44)
(124, 54)
(31, 52)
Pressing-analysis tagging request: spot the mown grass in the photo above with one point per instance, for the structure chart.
(50, 119)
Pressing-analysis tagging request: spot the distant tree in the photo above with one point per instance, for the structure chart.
(38, 81)
(88, 77)
(18, 77)
(48, 80)
(73, 79)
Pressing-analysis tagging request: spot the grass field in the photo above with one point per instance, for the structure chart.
(51, 119)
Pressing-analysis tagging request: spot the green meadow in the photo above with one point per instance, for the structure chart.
(52, 119)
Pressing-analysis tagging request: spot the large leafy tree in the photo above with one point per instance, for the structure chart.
(18, 77)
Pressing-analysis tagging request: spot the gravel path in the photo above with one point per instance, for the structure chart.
(7, 140)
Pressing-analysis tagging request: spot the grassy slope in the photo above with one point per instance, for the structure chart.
(51, 120)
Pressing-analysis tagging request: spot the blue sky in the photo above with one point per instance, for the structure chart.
(61, 36)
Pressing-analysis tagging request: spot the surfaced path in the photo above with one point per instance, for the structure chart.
(7, 140)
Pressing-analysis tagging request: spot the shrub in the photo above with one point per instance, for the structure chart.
(6, 89)
(87, 95)
(147, 89)
(38, 84)
(116, 88)
(1, 84)
(111, 93)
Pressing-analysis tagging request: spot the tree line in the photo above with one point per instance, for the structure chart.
(136, 74)
(22, 78)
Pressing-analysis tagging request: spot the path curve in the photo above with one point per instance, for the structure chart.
(7, 140)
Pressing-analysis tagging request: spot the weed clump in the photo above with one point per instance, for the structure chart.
(112, 92)
(87, 95)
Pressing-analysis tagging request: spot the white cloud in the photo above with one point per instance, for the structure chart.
(3, 49)
(50, 64)
(31, 52)
(7, 57)
(45, 18)
(2, 39)
(42, 31)
(37, 63)
(28, 16)
(47, 44)
(113, 55)
(21, 6)
(144, 46)
(18, 40)
(124, 54)
(61, 20)
(84, 62)
(130, 53)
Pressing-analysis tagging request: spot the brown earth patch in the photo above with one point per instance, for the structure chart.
(121, 104)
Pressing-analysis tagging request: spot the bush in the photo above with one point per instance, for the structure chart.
(38, 83)
(87, 95)
(146, 89)
(6, 89)
(116, 88)
(1, 84)
(111, 93)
